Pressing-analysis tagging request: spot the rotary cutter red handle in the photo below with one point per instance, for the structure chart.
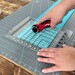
(40, 27)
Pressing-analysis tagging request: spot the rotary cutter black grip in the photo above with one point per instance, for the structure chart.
(35, 29)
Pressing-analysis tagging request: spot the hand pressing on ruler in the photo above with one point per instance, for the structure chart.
(63, 58)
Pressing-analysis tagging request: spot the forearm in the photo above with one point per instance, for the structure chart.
(68, 4)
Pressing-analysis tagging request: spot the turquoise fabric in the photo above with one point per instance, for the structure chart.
(44, 38)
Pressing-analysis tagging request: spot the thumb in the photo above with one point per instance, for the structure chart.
(52, 69)
(54, 22)
(65, 46)
(52, 25)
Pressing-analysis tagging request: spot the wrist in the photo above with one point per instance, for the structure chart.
(65, 6)
(68, 4)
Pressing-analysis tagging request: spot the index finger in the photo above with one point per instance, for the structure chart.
(43, 19)
(49, 49)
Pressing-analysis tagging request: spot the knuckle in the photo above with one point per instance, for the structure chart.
(48, 60)
(47, 53)
(40, 53)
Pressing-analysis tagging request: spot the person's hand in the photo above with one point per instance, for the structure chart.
(55, 15)
(63, 58)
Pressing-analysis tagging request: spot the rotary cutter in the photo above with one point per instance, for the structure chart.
(40, 27)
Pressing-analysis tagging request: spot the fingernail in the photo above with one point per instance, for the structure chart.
(41, 50)
(43, 71)
(38, 59)
(64, 44)
(37, 53)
